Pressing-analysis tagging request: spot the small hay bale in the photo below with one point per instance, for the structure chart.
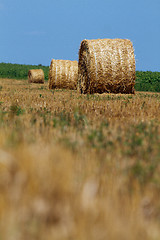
(36, 76)
(63, 74)
(106, 65)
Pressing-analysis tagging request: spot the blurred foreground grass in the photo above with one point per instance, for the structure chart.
(78, 166)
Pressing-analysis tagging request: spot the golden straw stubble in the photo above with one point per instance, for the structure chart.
(36, 76)
(63, 74)
(106, 65)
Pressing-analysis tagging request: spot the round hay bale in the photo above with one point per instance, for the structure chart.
(36, 76)
(106, 65)
(63, 74)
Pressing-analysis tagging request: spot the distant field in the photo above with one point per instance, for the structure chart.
(78, 166)
(145, 81)
(19, 71)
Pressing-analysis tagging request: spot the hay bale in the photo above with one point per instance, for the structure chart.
(63, 74)
(106, 65)
(36, 76)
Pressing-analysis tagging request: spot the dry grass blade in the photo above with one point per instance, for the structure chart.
(36, 76)
(63, 74)
(106, 65)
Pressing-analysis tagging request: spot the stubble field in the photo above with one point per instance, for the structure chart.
(78, 167)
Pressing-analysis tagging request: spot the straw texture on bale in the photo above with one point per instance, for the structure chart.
(36, 76)
(106, 65)
(63, 74)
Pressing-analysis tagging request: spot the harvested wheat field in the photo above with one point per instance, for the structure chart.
(78, 166)
(106, 65)
(63, 74)
(36, 76)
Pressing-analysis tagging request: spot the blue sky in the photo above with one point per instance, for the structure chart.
(35, 31)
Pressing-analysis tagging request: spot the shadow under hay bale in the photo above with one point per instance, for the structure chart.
(63, 74)
(36, 76)
(106, 65)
